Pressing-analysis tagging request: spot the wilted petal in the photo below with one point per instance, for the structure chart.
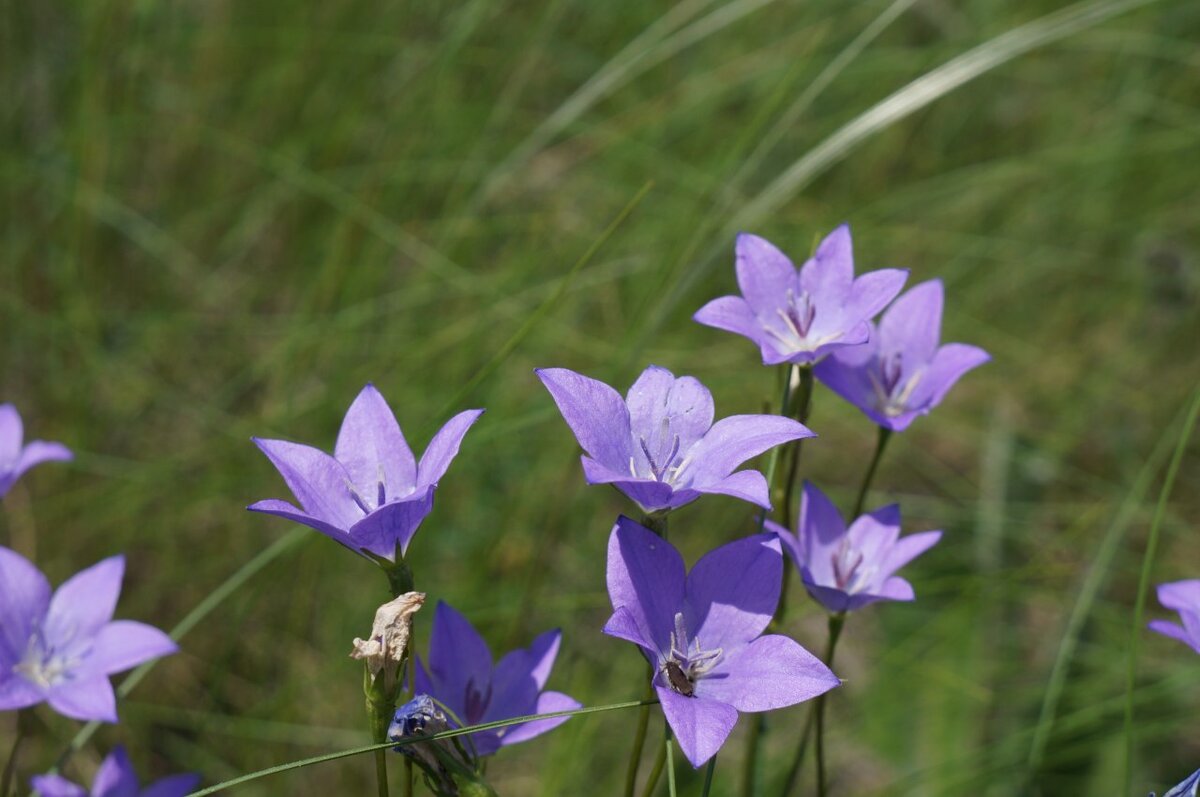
(443, 448)
(733, 591)
(24, 597)
(748, 485)
(115, 776)
(123, 644)
(646, 576)
(173, 786)
(370, 444)
(733, 440)
(949, 364)
(547, 703)
(595, 412)
(830, 272)
(771, 672)
(319, 482)
(458, 656)
(56, 786)
(764, 273)
(913, 324)
(85, 699)
(85, 601)
(700, 726)
(662, 407)
(392, 525)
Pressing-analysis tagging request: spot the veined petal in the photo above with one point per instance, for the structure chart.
(319, 482)
(542, 653)
(392, 525)
(56, 786)
(733, 591)
(737, 438)
(624, 625)
(873, 291)
(443, 448)
(875, 533)
(820, 531)
(845, 373)
(12, 434)
(913, 325)
(115, 776)
(370, 445)
(85, 699)
(458, 656)
(732, 314)
(24, 598)
(123, 644)
(700, 726)
(908, 548)
(948, 366)
(830, 273)
(274, 506)
(596, 414)
(663, 408)
(764, 273)
(547, 703)
(85, 601)
(748, 485)
(172, 786)
(789, 542)
(646, 577)
(514, 691)
(648, 494)
(771, 672)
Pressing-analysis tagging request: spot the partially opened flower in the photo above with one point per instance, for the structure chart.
(1189, 787)
(1182, 597)
(799, 317)
(460, 675)
(901, 372)
(702, 632)
(372, 494)
(847, 568)
(62, 648)
(116, 778)
(659, 445)
(16, 458)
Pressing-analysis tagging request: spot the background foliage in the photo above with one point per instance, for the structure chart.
(223, 218)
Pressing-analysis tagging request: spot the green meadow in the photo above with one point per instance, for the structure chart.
(223, 218)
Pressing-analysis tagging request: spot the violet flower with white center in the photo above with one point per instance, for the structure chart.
(62, 649)
(901, 372)
(461, 677)
(1182, 597)
(372, 494)
(800, 316)
(16, 458)
(659, 445)
(116, 778)
(702, 632)
(848, 568)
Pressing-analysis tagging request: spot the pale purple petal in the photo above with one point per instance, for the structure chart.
(624, 625)
(542, 653)
(648, 494)
(56, 786)
(830, 272)
(39, 451)
(733, 440)
(732, 314)
(1174, 632)
(874, 290)
(1180, 595)
(895, 589)
(115, 777)
(370, 445)
(24, 598)
(834, 600)
(646, 576)
(874, 533)
(16, 692)
(949, 364)
(85, 601)
(392, 525)
(771, 672)
(319, 482)
(790, 542)
(123, 644)
(458, 656)
(513, 689)
(547, 703)
(913, 324)
(283, 509)
(909, 548)
(764, 273)
(596, 414)
(85, 699)
(733, 591)
(443, 448)
(700, 726)
(662, 407)
(821, 529)
(748, 485)
(844, 374)
(173, 786)
(12, 434)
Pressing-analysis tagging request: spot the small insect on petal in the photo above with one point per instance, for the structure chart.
(679, 680)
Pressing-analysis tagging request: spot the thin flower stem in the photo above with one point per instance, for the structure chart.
(801, 409)
(639, 739)
(708, 776)
(669, 745)
(658, 522)
(753, 744)
(793, 775)
(381, 772)
(885, 434)
(660, 763)
(773, 460)
(836, 621)
(10, 769)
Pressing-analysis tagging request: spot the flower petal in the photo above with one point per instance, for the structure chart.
(748, 485)
(646, 576)
(370, 445)
(732, 314)
(648, 494)
(392, 525)
(123, 644)
(913, 325)
(56, 786)
(829, 274)
(624, 625)
(771, 672)
(1174, 632)
(596, 414)
(39, 451)
(764, 274)
(733, 440)
(662, 408)
(547, 703)
(733, 591)
(821, 530)
(85, 699)
(874, 290)
(1178, 595)
(24, 598)
(173, 786)
(542, 654)
(948, 366)
(319, 482)
(908, 548)
(16, 692)
(274, 506)
(847, 373)
(443, 448)
(458, 657)
(85, 601)
(115, 777)
(834, 600)
(700, 726)
(12, 434)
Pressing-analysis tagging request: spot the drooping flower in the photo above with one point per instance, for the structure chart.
(372, 494)
(901, 372)
(460, 676)
(62, 649)
(847, 568)
(1189, 788)
(16, 458)
(1182, 597)
(701, 631)
(800, 316)
(116, 778)
(659, 445)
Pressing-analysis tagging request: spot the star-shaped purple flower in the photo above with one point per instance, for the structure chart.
(1182, 597)
(16, 458)
(372, 494)
(701, 631)
(116, 778)
(62, 649)
(461, 677)
(848, 568)
(799, 317)
(901, 372)
(659, 445)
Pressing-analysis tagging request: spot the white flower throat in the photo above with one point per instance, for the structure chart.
(686, 663)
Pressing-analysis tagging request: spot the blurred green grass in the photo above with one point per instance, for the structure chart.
(224, 218)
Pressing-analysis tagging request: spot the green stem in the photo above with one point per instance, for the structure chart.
(10, 769)
(639, 740)
(408, 777)
(753, 740)
(789, 783)
(708, 776)
(803, 406)
(657, 522)
(660, 763)
(669, 744)
(836, 621)
(381, 772)
(885, 434)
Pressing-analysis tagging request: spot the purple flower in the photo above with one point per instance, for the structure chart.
(701, 632)
(462, 678)
(799, 317)
(659, 445)
(15, 458)
(62, 649)
(848, 568)
(901, 372)
(116, 778)
(1182, 597)
(371, 495)
(1189, 788)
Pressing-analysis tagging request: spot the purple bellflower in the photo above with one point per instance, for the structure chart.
(800, 316)
(848, 568)
(63, 648)
(1189, 788)
(701, 631)
(659, 445)
(116, 778)
(461, 677)
(901, 372)
(1182, 597)
(372, 494)
(16, 458)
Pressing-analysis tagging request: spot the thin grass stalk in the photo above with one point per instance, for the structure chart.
(10, 769)
(639, 739)
(836, 622)
(885, 434)
(669, 745)
(660, 763)
(708, 776)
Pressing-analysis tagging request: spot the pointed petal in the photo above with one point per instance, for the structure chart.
(764, 273)
(1178, 595)
(662, 407)
(834, 600)
(874, 535)
(56, 786)
(648, 494)
(24, 598)
(913, 325)
(443, 448)
(908, 548)
(830, 273)
(700, 726)
(115, 777)
(274, 506)
(895, 589)
(370, 443)
(733, 440)
(173, 786)
(547, 702)
(732, 314)
(12, 434)
(542, 654)
(789, 542)
(513, 689)
(733, 591)
(847, 374)
(85, 699)
(16, 692)
(748, 485)
(948, 366)
(392, 525)
(319, 482)
(39, 451)
(821, 530)
(85, 601)
(646, 576)
(458, 656)
(123, 644)
(624, 625)
(1173, 631)
(874, 290)
(596, 414)
(771, 672)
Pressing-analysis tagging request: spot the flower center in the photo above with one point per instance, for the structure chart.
(663, 462)
(848, 572)
(363, 497)
(798, 314)
(892, 392)
(687, 663)
(45, 665)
